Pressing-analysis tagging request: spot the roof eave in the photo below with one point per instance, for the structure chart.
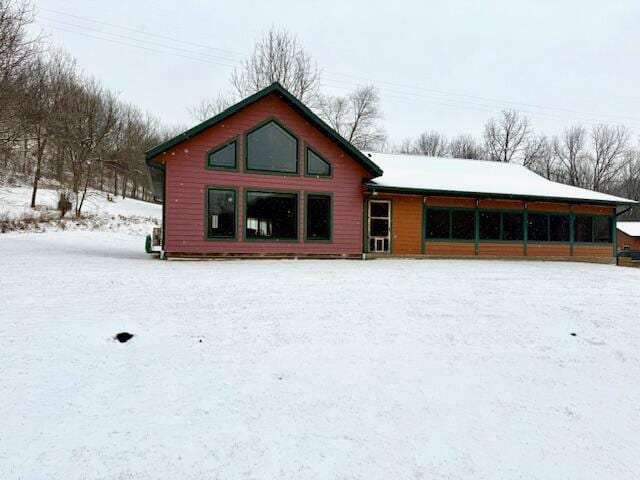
(451, 193)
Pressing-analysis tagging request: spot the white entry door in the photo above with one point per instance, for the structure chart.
(379, 226)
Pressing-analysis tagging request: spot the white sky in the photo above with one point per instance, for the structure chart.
(443, 65)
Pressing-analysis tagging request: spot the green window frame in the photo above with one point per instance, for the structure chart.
(452, 236)
(266, 224)
(210, 156)
(249, 151)
(308, 217)
(208, 222)
(310, 153)
(593, 237)
(550, 220)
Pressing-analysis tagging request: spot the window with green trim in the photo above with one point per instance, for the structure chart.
(490, 225)
(270, 148)
(271, 216)
(538, 227)
(512, 226)
(593, 229)
(316, 165)
(221, 213)
(224, 157)
(583, 229)
(450, 224)
(559, 228)
(318, 217)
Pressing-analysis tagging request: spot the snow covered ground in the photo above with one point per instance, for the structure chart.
(385, 369)
(99, 213)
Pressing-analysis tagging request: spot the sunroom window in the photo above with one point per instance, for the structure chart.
(271, 216)
(270, 148)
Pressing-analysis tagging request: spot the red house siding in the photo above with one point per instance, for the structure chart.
(187, 179)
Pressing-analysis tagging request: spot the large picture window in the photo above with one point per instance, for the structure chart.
(559, 228)
(318, 217)
(270, 148)
(224, 157)
(463, 224)
(271, 215)
(438, 224)
(589, 229)
(221, 213)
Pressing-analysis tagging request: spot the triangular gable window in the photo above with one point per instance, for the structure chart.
(316, 165)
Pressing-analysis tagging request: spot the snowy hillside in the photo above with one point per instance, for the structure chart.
(312, 369)
(100, 212)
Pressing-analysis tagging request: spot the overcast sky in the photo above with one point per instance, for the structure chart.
(442, 65)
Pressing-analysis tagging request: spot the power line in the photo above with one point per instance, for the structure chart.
(434, 97)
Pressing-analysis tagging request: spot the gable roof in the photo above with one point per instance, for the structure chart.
(451, 176)
(289, 98)
(630, 228)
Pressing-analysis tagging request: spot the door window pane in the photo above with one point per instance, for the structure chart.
(512, 226)
(438, 224)
(379, 209)
(221, 213)
(379, 227)
(490, 225)
(318, 217)
(538, 228)
(463, 224)
(584, 229)
(272, 215)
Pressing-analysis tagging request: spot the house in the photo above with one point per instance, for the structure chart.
(628, 236)
(267, 177)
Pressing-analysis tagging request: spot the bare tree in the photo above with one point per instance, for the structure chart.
(465, 146)
(210, 107)
(17, 51)
(355, 117)
(610, 148)
(570, 150)
(506, 136)
(279, 57)
(432, 144)
(536, 147)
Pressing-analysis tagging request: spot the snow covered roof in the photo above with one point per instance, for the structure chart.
(454, 175)
(630, 228)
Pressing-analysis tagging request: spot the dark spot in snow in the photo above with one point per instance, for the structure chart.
(200, 340)
(573, 334)
(123, 337)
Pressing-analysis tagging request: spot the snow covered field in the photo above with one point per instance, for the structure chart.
(385, 369)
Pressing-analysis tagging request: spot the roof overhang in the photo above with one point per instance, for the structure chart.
(373, 187)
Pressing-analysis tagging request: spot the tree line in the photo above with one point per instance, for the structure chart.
(602, 157)
(58, 123)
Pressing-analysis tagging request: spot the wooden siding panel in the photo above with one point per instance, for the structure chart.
(501, 249)
(450, 248)
(406, 221)
(627, 240)
(502, 204)
(593, 209)
(454, 202)
(548, 250)
(593, 250)
(549, 207)
(187, 179)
